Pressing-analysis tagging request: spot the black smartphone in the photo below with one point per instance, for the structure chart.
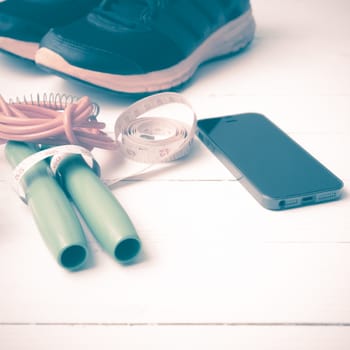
(275, 169)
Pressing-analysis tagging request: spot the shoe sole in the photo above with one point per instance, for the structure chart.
(24, 49)
(231, 38)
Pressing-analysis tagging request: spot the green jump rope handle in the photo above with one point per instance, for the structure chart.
(52, 210)
(104, 215)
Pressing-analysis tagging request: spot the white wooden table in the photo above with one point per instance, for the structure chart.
(217, 270)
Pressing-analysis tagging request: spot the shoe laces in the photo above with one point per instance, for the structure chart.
(130, 14)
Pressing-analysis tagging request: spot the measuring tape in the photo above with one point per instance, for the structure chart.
(138, 134)
(142, 138)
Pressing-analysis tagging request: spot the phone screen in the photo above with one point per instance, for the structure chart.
(269, 161)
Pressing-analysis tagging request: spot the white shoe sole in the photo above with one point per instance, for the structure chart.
(19, 48)
(229, 39)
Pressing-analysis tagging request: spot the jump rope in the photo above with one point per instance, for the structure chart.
(64, 130)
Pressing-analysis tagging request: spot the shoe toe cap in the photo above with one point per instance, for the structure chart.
(89, 56)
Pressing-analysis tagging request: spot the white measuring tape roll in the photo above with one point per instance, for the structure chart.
(154, 139)
(143, 138)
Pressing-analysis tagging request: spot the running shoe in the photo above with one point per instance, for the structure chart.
(144, 46)
(24, 22)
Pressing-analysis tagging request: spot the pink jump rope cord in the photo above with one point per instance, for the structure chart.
(53, 124)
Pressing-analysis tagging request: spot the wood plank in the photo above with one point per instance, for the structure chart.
(201, 262)
(206, 337)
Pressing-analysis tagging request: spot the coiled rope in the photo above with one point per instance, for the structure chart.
(53, 123)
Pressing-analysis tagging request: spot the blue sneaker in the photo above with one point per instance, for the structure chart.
(24, 22)
(145, 46)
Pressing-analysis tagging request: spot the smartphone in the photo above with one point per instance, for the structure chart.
(276, 170)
